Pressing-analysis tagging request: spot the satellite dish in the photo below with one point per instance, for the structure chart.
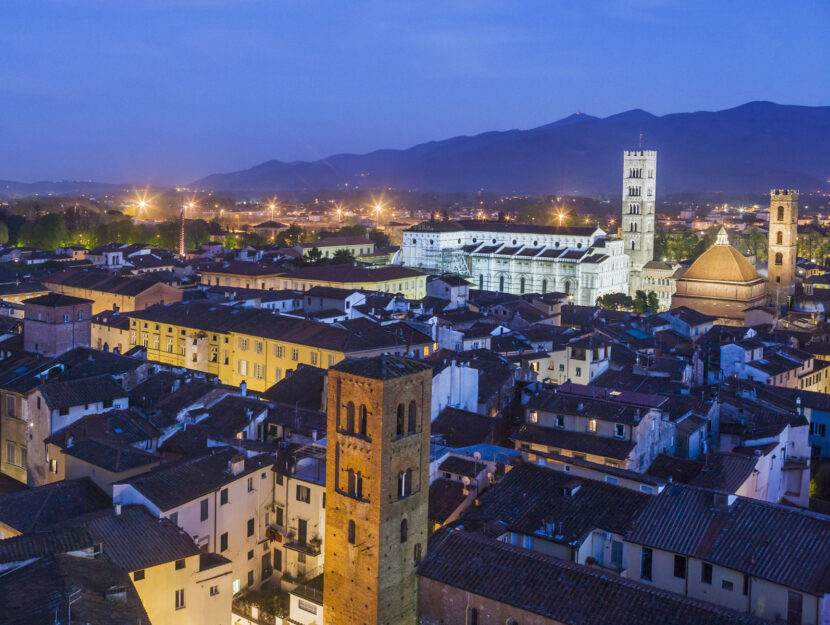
(465, 480)
(477, 455)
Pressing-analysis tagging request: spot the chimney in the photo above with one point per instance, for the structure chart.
(243, 388)
(117, 508)
(236, 464)
(70, 441)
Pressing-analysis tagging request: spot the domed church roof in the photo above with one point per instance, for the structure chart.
(722, 263)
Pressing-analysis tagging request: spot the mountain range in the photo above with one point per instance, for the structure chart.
(749, 148)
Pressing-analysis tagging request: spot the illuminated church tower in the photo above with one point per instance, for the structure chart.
(377, 489)
(637, 224)
(783, 244)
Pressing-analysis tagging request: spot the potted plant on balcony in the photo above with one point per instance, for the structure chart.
(314, 545)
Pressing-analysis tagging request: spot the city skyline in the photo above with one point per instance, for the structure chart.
(168, 92)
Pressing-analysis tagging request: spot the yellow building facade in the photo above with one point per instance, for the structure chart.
(246, 345)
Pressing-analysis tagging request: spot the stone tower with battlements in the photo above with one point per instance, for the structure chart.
(377, 489)
(783, 244)
(638, 200)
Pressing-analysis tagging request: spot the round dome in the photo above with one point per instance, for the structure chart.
(722, 263)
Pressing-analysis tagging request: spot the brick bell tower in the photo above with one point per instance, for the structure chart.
(783, 244)
(377, 489)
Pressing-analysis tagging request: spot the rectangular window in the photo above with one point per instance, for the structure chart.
(203, 510)
(645, 564)
(279, 351)
(250, 484)
(331, 360)
(305, 606)
(180, 599)
(560, 421)
(242, 344)
(250, 578)
(250, 527)
(592, 425)
(243, 367)
(726, 585)
(280, 516)
(706, 573)
(578, 371)
(180, 564)
(794, 601)
(251, 554)
(295, 354)
(746, 584)
(313, 359)
(214, 590)
(223, 542)
(138, 575)
(258, 347)
(277, 560)
(303, 493)
(259, 371)
(11, 455)
(279, 479)
(611, 480)
(680, 567)
(472, 616)
(174, 518)
(277, 375)
(223, 496)
(619, 430)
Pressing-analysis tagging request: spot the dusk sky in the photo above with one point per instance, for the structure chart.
(167, 91)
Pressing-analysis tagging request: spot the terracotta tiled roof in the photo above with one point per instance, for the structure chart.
(559, 590)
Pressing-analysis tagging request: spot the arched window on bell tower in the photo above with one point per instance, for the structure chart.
(779, 259)
(362, 421)
(399, 422)
(779, 238)
(350, 417)
(413, 417)
(780, 213)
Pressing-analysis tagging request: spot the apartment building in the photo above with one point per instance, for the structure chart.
(255, 346)
(776, 365)
(109, 292)
(299, 521)
(392, 279)
(751, 556)
(622, 429)
(222, 500)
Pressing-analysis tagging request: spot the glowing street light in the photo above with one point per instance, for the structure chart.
(378, 209)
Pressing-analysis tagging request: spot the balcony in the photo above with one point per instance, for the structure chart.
(310, 548)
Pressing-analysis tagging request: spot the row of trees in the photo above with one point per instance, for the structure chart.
(642, 302)
(52, 231)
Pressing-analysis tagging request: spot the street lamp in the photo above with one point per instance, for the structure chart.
(378, 208)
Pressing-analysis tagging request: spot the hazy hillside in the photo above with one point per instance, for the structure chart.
(749, 148)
